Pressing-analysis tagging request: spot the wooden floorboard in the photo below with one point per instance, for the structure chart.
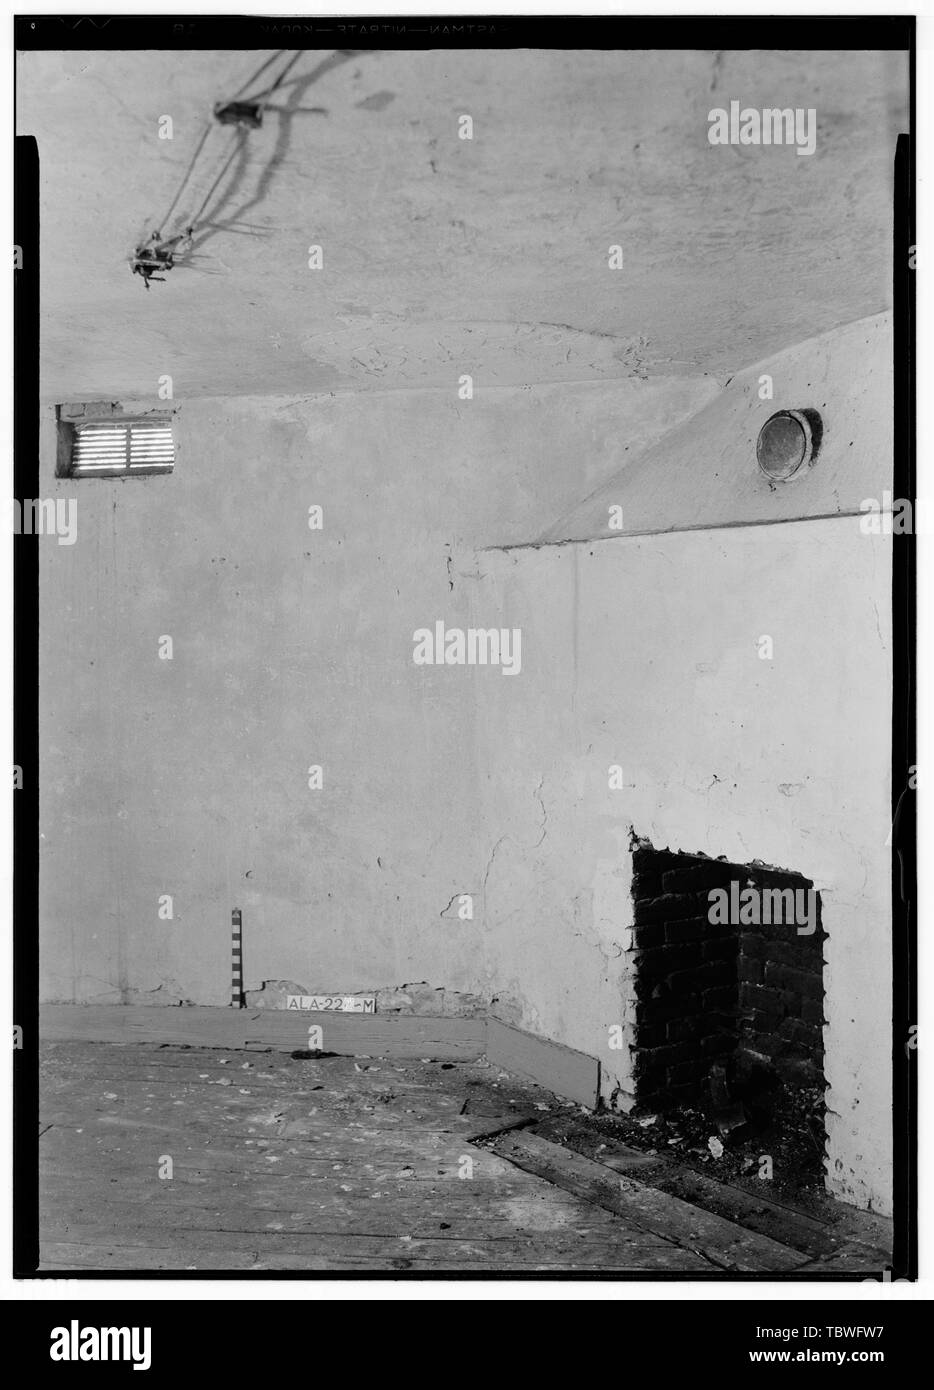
(327, 1164)
(729, 1246)
(814, 1238)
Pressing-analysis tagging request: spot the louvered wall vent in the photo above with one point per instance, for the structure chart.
(118, 448)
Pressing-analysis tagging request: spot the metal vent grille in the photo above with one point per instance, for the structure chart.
(109, 448)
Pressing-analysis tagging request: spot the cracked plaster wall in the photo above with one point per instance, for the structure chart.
(292, 647)
(641, 652)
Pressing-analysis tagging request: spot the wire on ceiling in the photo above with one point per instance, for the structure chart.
(159, 252)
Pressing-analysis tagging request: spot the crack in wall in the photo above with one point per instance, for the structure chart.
(537, 793)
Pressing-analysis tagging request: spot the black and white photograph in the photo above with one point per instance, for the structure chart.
(464, 584)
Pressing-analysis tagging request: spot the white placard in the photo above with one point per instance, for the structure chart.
(333, 1003)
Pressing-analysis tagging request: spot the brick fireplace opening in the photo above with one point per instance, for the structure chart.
(726, 1001)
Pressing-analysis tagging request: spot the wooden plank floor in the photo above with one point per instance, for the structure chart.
(285, 1164)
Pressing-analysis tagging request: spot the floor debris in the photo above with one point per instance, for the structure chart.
(427, 1167)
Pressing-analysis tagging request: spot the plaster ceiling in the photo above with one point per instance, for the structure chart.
(444, 256)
